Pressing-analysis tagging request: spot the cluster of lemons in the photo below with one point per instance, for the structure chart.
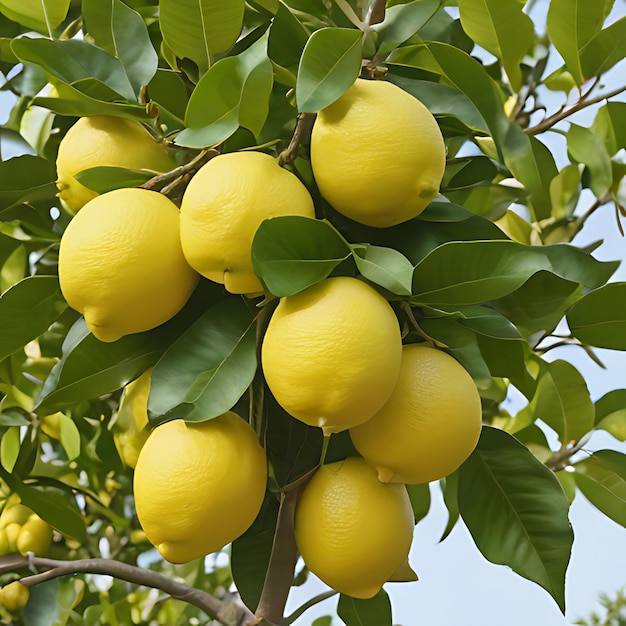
(332, 354)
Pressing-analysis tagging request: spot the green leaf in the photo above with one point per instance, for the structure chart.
(330, 63)
(26, 178)
(106, 178)
(450, 488)
(27, 310)
(471, 272)
(584, 146)
(208, 368)
(10, 448)
(610, 124)
(502, 28)
(516, 511)
(402, 21)
(40, 15)
(287, 38)
(562, 401)
(599, 317)
(611, 413)
(384, 266)
(571, 25)
(606, 49)
(82, 65)
(121, 31)
(565, 191)
(602, 480)
(70, 437)
(420, 500)
(375, 611)
(291, 253)
(234, 92)
(201, 29)
(43, 604)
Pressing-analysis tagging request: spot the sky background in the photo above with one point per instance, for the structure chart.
(457, 585)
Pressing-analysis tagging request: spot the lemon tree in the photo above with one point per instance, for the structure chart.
(274, 272)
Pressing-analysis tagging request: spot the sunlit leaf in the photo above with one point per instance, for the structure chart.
(606, 49)
(611, 413)
(40, 15)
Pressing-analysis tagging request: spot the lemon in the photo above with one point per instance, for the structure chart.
(222, 208)
(109, 141)
(14, 513)
(429, 425)
(377, 154)
(331, 353)
(35, 536)
(353, 531)
(199, 486)
(129, 430)
(121, 263)
(14, 596)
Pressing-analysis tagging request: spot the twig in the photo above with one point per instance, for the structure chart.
(582, 220)
(557, 460)
(560, 115)
(227, 613)
(304, 124)
(172, 176)
(290, 619)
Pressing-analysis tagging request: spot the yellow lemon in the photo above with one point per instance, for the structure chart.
(12, 531)
(121, 263)
(35, 536)
(377, 154)
(222, 208)
(199, 486)
(353, 531)
(14, 596)
(331, 353)
(14, 513)
(129, 430)
(429, 425)
(104, 141)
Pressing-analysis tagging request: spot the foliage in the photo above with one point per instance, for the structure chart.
(615, 611)
(489, 272)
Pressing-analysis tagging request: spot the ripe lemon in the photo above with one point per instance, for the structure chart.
(377, 154)
(199, 486)
(353, 531)
(331, 353)
(129, 430)
(104, 140)
(35, 536)
(222, 208)
(429, 425)
(14, 596)
(121, 264)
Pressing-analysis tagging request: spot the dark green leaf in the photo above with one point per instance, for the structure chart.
(330, 63)
(200, 29)
(599, 317)
(450, 488)
(602, 480)
(385, 267)
(606, 49)
(26, 178)
(420, 500)
(375, 611)
(611, 413)
(208, 368)
(43, 604)
(516, 511)
(287, 38)
(106, 178)
(168, 90)
(291, 253)
(27, 310)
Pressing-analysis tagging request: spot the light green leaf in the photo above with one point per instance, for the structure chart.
(502, 28)
(208, 368)
(330, 63)
(201, 29)
(420, 500)
(602, 480)
(610, 124)
(571, 25)
(584, 146)
(40, 15)
(516, 511)
(375, 611)
(27, 310)
(599, 317)
(70, 437)
(10, 448)
(611, 413)
(605, 50)
(384, 266)
(565, 191)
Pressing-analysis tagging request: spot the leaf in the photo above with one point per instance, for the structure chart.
(450, 488)
(27, 310)
(207, 369)
(502, 28)
(599, 317)
(121, 31)
(82, 65)
(384, 266)
(200, 29)
(586, 147)
(375, 611)
(606, 49)
(234, 92)
(106, 178)
(402, 21)
(70, 437)
(287, 38)
(26, 178)
(611, 413)
(571, 25)
(602, 480)
(516, 511)
(10, 448)
(40, 15)
(562, 401)
(291, 253)
(471, 272)
(420, 500)
(610, 124)
(329, 65)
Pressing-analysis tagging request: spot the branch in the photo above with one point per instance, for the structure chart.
(549, 122)
(304, 124)
(557, 460)
(226, 613)
(290, 619)
(171, 178)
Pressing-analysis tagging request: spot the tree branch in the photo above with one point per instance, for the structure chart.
(169, 179)
(226, 613)
(290, 619)
(582, 220)
(304, 124)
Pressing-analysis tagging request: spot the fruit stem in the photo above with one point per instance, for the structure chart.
(290, 619)
(325, 443)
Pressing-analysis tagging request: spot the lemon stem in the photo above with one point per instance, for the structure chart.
(324, 449)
